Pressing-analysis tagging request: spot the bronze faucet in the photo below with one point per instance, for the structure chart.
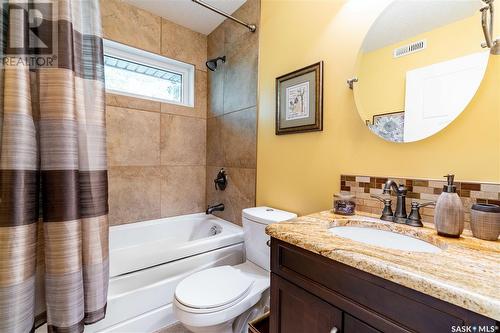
(400, 215)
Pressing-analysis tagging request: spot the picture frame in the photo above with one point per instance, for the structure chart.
(389, 126)
(299, 100)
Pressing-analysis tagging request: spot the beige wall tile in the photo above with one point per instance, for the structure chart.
(239, 193)
(132, 102)
(240, 83)
(239, 137)
(484, 195)
(215, 89)
(180, 110)
(215, 42)
(130, 25)
(182, 44)
(200, 97)
(231, 113)
(248, 12)
(490, 188)
(133, 137)
(182, 190)
(362, 179)
(422, 189)
(140, 138)
(436, 183)
(215, 149)
(429, 197)
(183, 140)
(216, 48)
(134, 194)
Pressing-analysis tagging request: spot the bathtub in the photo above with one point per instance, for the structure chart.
(148, 259)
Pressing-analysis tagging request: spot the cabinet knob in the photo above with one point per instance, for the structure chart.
(334, 330)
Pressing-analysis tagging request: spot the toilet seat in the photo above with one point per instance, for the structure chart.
(213, 289)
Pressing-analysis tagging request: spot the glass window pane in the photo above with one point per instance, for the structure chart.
(139, 79)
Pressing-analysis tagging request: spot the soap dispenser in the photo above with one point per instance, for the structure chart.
(449, 212)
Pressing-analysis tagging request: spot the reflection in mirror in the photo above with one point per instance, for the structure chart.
(419, 67)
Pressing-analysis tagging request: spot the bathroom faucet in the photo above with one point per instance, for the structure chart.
(215, 208)
(400, 215)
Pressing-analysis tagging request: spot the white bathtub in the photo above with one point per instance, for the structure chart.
(140, 245)
(148, 259)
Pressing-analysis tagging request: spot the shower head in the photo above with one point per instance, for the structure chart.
(212, 63)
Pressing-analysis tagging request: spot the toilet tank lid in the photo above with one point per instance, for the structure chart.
(267, 215)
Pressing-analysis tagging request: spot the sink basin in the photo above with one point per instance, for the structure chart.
(382, 238)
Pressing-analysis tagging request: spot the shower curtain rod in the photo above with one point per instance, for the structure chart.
(251, 27)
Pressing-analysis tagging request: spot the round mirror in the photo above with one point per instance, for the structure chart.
(419, 66)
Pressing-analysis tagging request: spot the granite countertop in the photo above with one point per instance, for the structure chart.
(466, 273)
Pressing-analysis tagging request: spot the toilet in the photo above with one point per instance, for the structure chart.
(223, 299)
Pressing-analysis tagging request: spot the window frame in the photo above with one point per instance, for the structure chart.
(129, 53)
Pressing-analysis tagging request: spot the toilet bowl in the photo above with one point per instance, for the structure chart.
(223, 299)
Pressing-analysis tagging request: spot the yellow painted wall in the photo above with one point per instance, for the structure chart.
(300, 172)
(381, 86)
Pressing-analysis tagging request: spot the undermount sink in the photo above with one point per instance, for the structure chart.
(382, 238)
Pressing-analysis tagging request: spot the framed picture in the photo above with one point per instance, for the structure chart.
(389, 126)
(299, 100)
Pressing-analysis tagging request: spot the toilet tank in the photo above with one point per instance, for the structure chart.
(255, 221)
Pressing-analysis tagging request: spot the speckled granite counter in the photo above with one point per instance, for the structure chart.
(466, 273)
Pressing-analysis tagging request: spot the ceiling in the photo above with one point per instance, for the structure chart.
(189, 14)
(404, 19)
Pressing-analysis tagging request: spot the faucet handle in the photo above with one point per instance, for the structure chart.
(424, 204)
(387, 213)
(415, 219)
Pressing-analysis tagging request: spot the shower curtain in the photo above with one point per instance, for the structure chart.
(53, 172)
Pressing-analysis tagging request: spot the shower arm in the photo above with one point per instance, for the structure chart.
(251, 27)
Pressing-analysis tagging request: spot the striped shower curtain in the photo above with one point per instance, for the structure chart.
(53, 175)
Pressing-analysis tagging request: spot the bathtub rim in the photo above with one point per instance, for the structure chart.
(128, 258)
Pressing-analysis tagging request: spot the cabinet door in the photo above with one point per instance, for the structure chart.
(353, 325)
(294, 310)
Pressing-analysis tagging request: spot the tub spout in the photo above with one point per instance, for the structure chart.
(215, 208)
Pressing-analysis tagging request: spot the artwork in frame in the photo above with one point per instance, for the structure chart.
(299, 100)
(389, 126)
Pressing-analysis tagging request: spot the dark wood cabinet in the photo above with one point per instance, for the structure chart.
(314, 294)
(299, 311)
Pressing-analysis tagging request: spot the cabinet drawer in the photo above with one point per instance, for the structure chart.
(353, 325)
(297, 311)
(385, 305)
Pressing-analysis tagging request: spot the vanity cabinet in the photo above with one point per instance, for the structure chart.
(314, 294)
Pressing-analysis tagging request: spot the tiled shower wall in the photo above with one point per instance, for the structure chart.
(232, 112)
(421, 190)
(156, 151)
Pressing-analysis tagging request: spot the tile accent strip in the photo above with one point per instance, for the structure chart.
(420, 190)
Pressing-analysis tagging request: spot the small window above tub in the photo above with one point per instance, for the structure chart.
(133, 72)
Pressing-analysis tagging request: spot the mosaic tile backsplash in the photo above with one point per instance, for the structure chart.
(420, 190)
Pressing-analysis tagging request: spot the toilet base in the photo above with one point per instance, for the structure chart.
(226, 327)
(238, 324)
